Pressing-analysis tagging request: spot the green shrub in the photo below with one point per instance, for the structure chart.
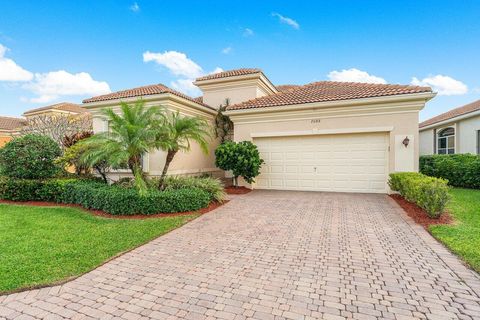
(127, 201)
(242, 158)
(214, 187)
(429, 193)
(461, 170)
(96, 195)
(30, 157)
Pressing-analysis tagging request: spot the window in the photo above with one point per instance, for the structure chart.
(446, 141)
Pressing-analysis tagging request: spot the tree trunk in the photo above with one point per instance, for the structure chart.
(235, 181)
(170, 155)
(102, 174)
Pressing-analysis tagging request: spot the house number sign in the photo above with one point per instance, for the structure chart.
(315, 121)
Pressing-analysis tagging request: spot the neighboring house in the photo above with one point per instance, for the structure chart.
(455, 131)
(38, 120)
(9, 127)
(62, 108)
(326, 136)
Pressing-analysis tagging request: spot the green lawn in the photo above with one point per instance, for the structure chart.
(41, 245)
(463, 237)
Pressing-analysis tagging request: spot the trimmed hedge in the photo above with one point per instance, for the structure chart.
(461, 170)
(430, 194)
(98, 196)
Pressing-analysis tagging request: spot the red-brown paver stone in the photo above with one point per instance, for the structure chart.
(273, 255)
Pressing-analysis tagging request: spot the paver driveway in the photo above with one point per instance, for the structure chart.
(274, 255)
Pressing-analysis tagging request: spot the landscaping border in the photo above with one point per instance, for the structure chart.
(212, 206)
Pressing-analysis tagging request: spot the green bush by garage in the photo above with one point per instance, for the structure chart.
(429, 193)
(461, 170)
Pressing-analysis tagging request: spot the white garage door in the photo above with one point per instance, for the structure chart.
(340, 162)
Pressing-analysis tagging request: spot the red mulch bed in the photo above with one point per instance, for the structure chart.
(419, 215)
(237, 190)
(211, 206)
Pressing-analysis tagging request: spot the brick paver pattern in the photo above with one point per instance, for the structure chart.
(273, 255)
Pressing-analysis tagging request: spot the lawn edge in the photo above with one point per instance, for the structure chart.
(66, 280)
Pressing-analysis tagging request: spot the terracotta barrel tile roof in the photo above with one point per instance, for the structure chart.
(471, 107)
(62, 106)
(11, 123)
(141, 92)
(324, 91)
(229, 73)
(285, 87)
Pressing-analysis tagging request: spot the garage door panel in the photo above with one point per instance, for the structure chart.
(346, 163)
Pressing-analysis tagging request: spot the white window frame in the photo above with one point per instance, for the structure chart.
(447, 138)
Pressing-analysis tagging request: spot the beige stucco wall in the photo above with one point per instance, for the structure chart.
(426, 142)
(465, 135)
(402, 125)
(194, 162)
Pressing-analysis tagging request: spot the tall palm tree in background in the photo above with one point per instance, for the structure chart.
(132, 133)
(177, 134)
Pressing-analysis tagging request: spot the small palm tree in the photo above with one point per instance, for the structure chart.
(132, 133)
(176, 135)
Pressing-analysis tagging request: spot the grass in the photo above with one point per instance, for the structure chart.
(463, 237)
(43, 245)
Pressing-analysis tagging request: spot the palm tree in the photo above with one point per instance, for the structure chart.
(132, 133)
(176, 135)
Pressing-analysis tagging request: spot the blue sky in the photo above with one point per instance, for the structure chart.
(70, 50)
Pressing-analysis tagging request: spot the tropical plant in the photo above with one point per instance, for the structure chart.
(177, 133)
(223, 124)
(30, 157)
(242, 158)
(73, 157)
(132, 133)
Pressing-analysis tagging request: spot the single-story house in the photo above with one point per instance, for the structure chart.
(11, 126)
(64, 108)
(326, 136)
(455, 131)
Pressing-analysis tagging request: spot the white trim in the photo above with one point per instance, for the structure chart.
(319, 114)
(319, 132)
(425, 96)
(153, 97)
(447, 121)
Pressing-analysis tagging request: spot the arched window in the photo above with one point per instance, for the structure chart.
(446, 141)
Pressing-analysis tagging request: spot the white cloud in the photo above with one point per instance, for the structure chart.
(176, 62)
(247, 32)
(354, 75)
(52, 85)
(10, 71)
(444, 85)
(135, 7)
(227, 50)
(292, 23)
(186, 86)
(185, 69)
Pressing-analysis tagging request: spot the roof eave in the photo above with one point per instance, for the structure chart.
(152, 97)
(449, 120)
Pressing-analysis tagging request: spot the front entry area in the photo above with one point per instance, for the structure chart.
(337, 162)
